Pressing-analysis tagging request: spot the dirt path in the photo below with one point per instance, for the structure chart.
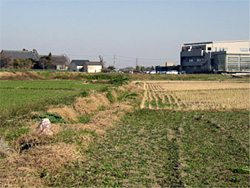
(144, 95)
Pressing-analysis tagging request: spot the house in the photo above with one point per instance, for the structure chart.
(127, 70)
(92, 67)
(61, 62)
(209, 57)
(86, 66)
(77, 65)
(22, 54)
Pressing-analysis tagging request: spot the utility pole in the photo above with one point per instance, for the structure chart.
(137, 66)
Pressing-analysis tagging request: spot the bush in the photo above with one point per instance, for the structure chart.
(84, 94)
(119, 80)
(104, 89)
(54, 118)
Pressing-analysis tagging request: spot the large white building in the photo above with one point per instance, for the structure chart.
(207, 57)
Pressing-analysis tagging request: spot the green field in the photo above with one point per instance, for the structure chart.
(55, 84)
(153, 148)
(15, 95)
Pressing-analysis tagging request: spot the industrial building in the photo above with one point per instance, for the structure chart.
(213, 57)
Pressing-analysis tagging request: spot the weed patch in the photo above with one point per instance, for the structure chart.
(54, 118)
(110, 97)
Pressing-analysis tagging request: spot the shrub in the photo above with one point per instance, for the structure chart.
(119, 80)
(54, 118)
(84, 93)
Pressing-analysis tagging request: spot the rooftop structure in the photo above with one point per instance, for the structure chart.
(22, 54)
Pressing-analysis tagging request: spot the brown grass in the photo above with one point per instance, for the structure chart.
(66, 113)
(90, 104)
(24, 169)
(194, 85)
(199, 95)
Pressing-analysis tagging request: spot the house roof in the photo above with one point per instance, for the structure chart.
(210, 42)
(60, 59)
(94, 63)
(25, 54)
(79, 62)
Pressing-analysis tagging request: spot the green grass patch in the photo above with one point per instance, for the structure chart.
(54, 118)
(110, 97)
(70, 136)
(52, 84)
(85, 118)
(165, 148)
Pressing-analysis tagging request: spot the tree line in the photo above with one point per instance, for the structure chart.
(44, 62)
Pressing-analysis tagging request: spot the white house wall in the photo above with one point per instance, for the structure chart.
(94, 68)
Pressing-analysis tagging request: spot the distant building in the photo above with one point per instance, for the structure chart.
(169, 64)
(21, 54)
(86, 66)
(61, 62)
(93, 67)
(77, 65)
(168, 67)
(127, 70)
(208, 57)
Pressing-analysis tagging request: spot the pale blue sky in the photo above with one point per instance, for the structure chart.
(149, 29)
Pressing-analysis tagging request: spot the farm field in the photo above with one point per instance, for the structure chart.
(48, 84)
(9, 97)
(196, 95)
(18, 93)
(162, 148)
(144, 134)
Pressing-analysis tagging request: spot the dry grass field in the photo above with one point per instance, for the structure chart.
(196, 95)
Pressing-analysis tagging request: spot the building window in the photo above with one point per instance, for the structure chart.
(243, 49)
(209, 48)
(215, 49)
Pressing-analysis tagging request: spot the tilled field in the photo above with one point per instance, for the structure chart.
(196, 95)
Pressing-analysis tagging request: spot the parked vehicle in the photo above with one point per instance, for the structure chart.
(182, 72)
(162, 72)
(172, 72)
(153, 72)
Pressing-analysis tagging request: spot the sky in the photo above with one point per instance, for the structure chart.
(123, 32)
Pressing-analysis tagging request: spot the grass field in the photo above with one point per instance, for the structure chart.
(54, 84)
(19, 97)
(16, 95)
(162, 148)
